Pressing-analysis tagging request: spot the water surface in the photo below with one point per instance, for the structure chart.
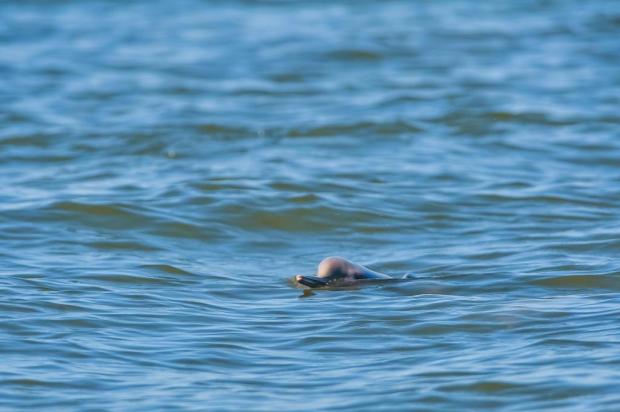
(167, 167)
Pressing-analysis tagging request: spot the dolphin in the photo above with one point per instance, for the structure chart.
(337, 271)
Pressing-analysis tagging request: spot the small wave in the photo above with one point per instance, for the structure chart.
(127, 245)
(173, 270)
(119, 210)
(102, 215)
(33, 140)
(30, 382)
(536, 118)
(362, 55)
(130, 279)
(215, 129)
(610, 282)
(309, 219)
(380, 128)
(485, 387)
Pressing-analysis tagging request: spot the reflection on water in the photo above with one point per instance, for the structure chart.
(167, 167)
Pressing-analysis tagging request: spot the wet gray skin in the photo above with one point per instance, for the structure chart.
(336, 271)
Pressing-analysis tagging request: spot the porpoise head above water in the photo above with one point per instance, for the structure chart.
(338, 272)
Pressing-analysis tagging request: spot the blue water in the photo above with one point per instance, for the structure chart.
(167, 167)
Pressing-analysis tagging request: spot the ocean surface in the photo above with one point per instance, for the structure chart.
(166, 167)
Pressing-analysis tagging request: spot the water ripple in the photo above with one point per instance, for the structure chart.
(168, 168)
